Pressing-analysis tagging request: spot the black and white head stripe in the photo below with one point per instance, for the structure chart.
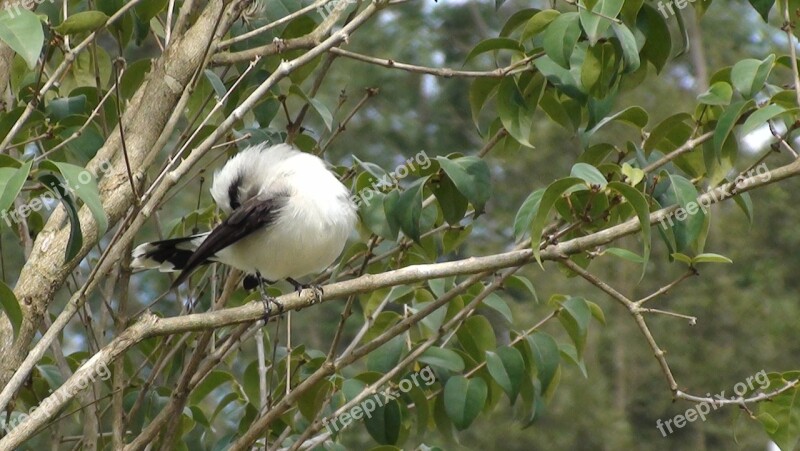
(287, 216)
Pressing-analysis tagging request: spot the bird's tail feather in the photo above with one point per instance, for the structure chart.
(166, 255)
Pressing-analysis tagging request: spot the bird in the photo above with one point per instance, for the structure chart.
(288, 216)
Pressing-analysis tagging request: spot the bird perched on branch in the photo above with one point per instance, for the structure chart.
(288, 216)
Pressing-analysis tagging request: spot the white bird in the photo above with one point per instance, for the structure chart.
(288, 217)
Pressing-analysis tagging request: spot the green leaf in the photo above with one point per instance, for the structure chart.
(719, 93)
(781, 415)
(632, 175)
(746, 204)
(408, 209)
(22, 32)
(634, 116)
(687, 228)
(524, 218)
(546, 357)
(471, 176)
(493, 44)
(624, 254)
(574, 316)
(209, 383)
(569, 353)
(682, 258)
(479, 92)
(630, 50)
(763, 7)
(711, 258)
(549, 198)
(727, 121)
(507, 369)
(464, 399)
(84, 185)
(147, 9)
(10, 306)
(599, 70)
(522, 284)
(561, 37)
(384, 423)
(749, 75)
(498, 304)
(658, 43)
(219, 87)
(318, 106)
(442, 358)
(387, 355)
(517, 19)
(515, 112)
(642, 209)
(594, 18)
(630, 10)
(75, 242)
(762, 115)
(451, 201)
(589, 174)
(663, 129)
(597, 312)
(11, 182)
(476, 337)
(82, 22)
(539, 22)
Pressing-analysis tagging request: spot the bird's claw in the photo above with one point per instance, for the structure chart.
(266, 301)
(299, 287)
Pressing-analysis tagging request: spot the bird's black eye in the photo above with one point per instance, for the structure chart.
(233, 193)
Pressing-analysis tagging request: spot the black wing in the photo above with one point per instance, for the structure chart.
(255, 214)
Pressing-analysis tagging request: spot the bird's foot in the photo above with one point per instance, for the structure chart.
(267, 301)
(299, 287)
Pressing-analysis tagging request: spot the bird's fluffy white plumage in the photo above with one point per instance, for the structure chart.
(305, 234)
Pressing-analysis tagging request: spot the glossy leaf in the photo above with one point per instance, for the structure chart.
(594, 19)
(464, 399)
(470, 175)
(549, 198)
(545, 356)
(11, 182)
(83, 184)
(82, 22)
(574, 316)
(10, 307)
(749, 75)
(507, 369)
(525, 214)
(21, 30)
(561, 36)
(494, 44)
(727, 121)
(589, 174)
(639, 203)
(442, 358)
(719, 93)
